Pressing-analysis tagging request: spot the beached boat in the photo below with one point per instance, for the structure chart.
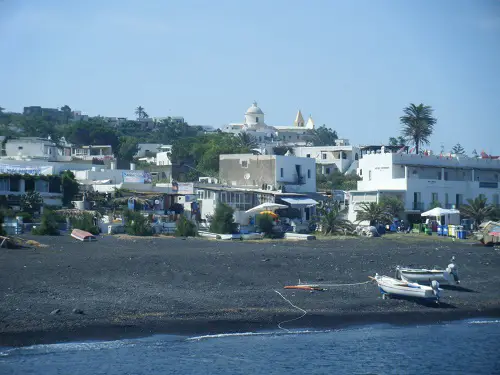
(426, 276)
(390, 286)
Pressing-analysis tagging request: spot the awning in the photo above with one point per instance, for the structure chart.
(300, 202)
(265, 206)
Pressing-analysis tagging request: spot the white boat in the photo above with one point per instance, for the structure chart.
(390, 286)
(423, 275)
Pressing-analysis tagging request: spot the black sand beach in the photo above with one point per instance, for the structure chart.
(135, 287)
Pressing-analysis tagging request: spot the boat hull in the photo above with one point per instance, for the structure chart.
(406, 289)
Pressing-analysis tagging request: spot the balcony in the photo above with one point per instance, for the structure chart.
(292, 180)
(418, 206)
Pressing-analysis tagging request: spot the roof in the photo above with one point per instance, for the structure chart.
(299, 120)
(254, 109)
(300, 201)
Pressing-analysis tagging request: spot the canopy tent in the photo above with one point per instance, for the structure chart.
(265, 207)
(438, 211)
(449, 216)
(300, 201)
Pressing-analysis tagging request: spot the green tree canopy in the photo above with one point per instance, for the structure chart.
(323, 136)
(394, 206)
(332, 220)
(127, 148)
(375, 213)
(397, 141)
(477, 209)
(458, 149)
(223, 220)
(418, 124)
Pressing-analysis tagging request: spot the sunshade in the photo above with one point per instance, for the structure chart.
(438, 211)
(265, 206)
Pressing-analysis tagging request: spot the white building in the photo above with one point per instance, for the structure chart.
(420, 180)
(31, 147)
(147, 149)
(254, 124)
(342, 158)
(290, 174)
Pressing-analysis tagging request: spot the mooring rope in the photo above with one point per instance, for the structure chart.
(304, 312)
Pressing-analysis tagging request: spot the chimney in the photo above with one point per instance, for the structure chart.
(132, 166)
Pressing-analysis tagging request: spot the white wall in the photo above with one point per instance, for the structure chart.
(287, 163)
(144, 147)
(55, 167)
(162, 158)
(330, 155)
(33, 148)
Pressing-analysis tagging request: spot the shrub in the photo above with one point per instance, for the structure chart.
(27, 218)
(31, 201)
(136, 224)
(48, 225)
(223, 220)
(70, 187)
(2, 232)
(185, 227)
(85, 222)
(265, 223)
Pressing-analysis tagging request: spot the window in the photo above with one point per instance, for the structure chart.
(446, 176)
(297, 136)
(361, 172)
(42, 186)
(323, 156)
(15, 184)
(20, 148)
(29, 185)
(434, 197)
(308, 155)
(256, 119)
(244, 163)
(308, 173)
(458, 200)
(446, 200)
(327, 170)
(369, 175)
(4, 184)
(281, 172)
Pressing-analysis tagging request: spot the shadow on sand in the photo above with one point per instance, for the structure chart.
(426, 303)
(458, 288)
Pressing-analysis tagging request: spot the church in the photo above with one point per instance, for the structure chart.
(297, 133)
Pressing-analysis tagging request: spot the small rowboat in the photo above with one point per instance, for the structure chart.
(389, 286)
(426, 276)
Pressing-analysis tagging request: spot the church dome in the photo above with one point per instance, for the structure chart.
(254, 110)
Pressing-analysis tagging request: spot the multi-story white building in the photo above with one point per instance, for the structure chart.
(420, 180)
(342, 157)
(289, 174)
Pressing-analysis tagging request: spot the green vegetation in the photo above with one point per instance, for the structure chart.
(223, 220)
(394, 206)
(185, 227)
(417, 124)
(478, 210)
(375, 213)
(136, 224)
(2, 232)
(332, 219)
(31, 202)
(336, 181)
(265, 222)
(324, 136)
(48, 226)
(85, 222)
(435, 204)
(69, 186)
(458, 149)
(397, 141)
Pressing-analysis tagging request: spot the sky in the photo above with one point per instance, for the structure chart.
(352, 65)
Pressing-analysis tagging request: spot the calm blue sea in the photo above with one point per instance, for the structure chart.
(466, 347)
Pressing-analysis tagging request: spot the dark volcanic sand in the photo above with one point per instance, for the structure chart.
(133, 287)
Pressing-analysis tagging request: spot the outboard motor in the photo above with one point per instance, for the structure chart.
(453, 271)
(435, 288)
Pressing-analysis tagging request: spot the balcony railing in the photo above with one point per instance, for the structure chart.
(418, 206)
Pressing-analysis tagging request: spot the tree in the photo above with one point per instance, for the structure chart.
(223, 220)
(265, 222)
(185, 227)
(374, 213)
(137, 224)
(246, 140)
(69, 186)
(282, 150)
(435, 204)
(397, 141)
(418, 124)
(141, 113)
(458, 149)
(394, 206)
(474, 153)
(66, 110)
(323, 136)
(477, 209)
(331, 219)
(48, 225)
(85, 221)
(336, 180)
(128, 148)
(31, 202)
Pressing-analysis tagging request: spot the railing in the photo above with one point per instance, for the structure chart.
(418, 206)
(293, 180)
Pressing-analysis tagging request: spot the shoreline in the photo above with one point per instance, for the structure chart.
(188, 328)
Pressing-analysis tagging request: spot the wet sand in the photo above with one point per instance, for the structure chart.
(136, 287)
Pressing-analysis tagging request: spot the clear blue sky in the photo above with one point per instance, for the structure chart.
(353, 65)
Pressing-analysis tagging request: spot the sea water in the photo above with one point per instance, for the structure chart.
(466, 347)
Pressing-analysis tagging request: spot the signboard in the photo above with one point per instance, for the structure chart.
(134, 177)
(19, 169)
(182, 188)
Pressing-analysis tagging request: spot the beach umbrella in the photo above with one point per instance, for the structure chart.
(270, 213)
(268, 206)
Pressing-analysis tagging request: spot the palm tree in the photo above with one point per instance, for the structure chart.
(332, 221)
(418, 124)
(246, 140)
(477, 209)
(141, 113)
(373, 213)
